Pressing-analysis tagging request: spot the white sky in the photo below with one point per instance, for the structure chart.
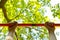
(54, 2)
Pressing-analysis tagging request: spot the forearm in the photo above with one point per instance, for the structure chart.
(10, 36)
(52, 36)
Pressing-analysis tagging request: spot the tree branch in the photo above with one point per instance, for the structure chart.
(5, 14)
(2, 3)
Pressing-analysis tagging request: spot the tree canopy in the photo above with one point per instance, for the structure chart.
(27, 11)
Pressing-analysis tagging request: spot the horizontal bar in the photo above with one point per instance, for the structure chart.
(28, 24)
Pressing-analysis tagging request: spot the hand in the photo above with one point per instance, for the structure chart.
(50, 26)
(12, 26)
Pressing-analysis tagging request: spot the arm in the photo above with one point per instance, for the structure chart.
(11, 29)
(51, 29)
(52, 36)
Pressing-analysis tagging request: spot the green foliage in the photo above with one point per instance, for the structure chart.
(32, 12)
(44, 2)
(56, 10)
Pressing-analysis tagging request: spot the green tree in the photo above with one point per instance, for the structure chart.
(29, 11)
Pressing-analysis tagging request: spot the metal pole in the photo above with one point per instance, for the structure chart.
(28, 24)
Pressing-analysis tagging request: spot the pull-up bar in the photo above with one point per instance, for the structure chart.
(28, 24)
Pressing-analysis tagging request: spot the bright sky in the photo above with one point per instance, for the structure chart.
(54, 2)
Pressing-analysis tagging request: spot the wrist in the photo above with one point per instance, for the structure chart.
(52, 36)
(51, 31)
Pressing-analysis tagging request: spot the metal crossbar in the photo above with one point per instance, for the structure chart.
(28, 24)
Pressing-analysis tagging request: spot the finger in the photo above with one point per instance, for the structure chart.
(50, 24)
(46, 24)
(13, 25)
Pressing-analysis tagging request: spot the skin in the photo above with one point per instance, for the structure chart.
(11, 29)
(50, 27)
